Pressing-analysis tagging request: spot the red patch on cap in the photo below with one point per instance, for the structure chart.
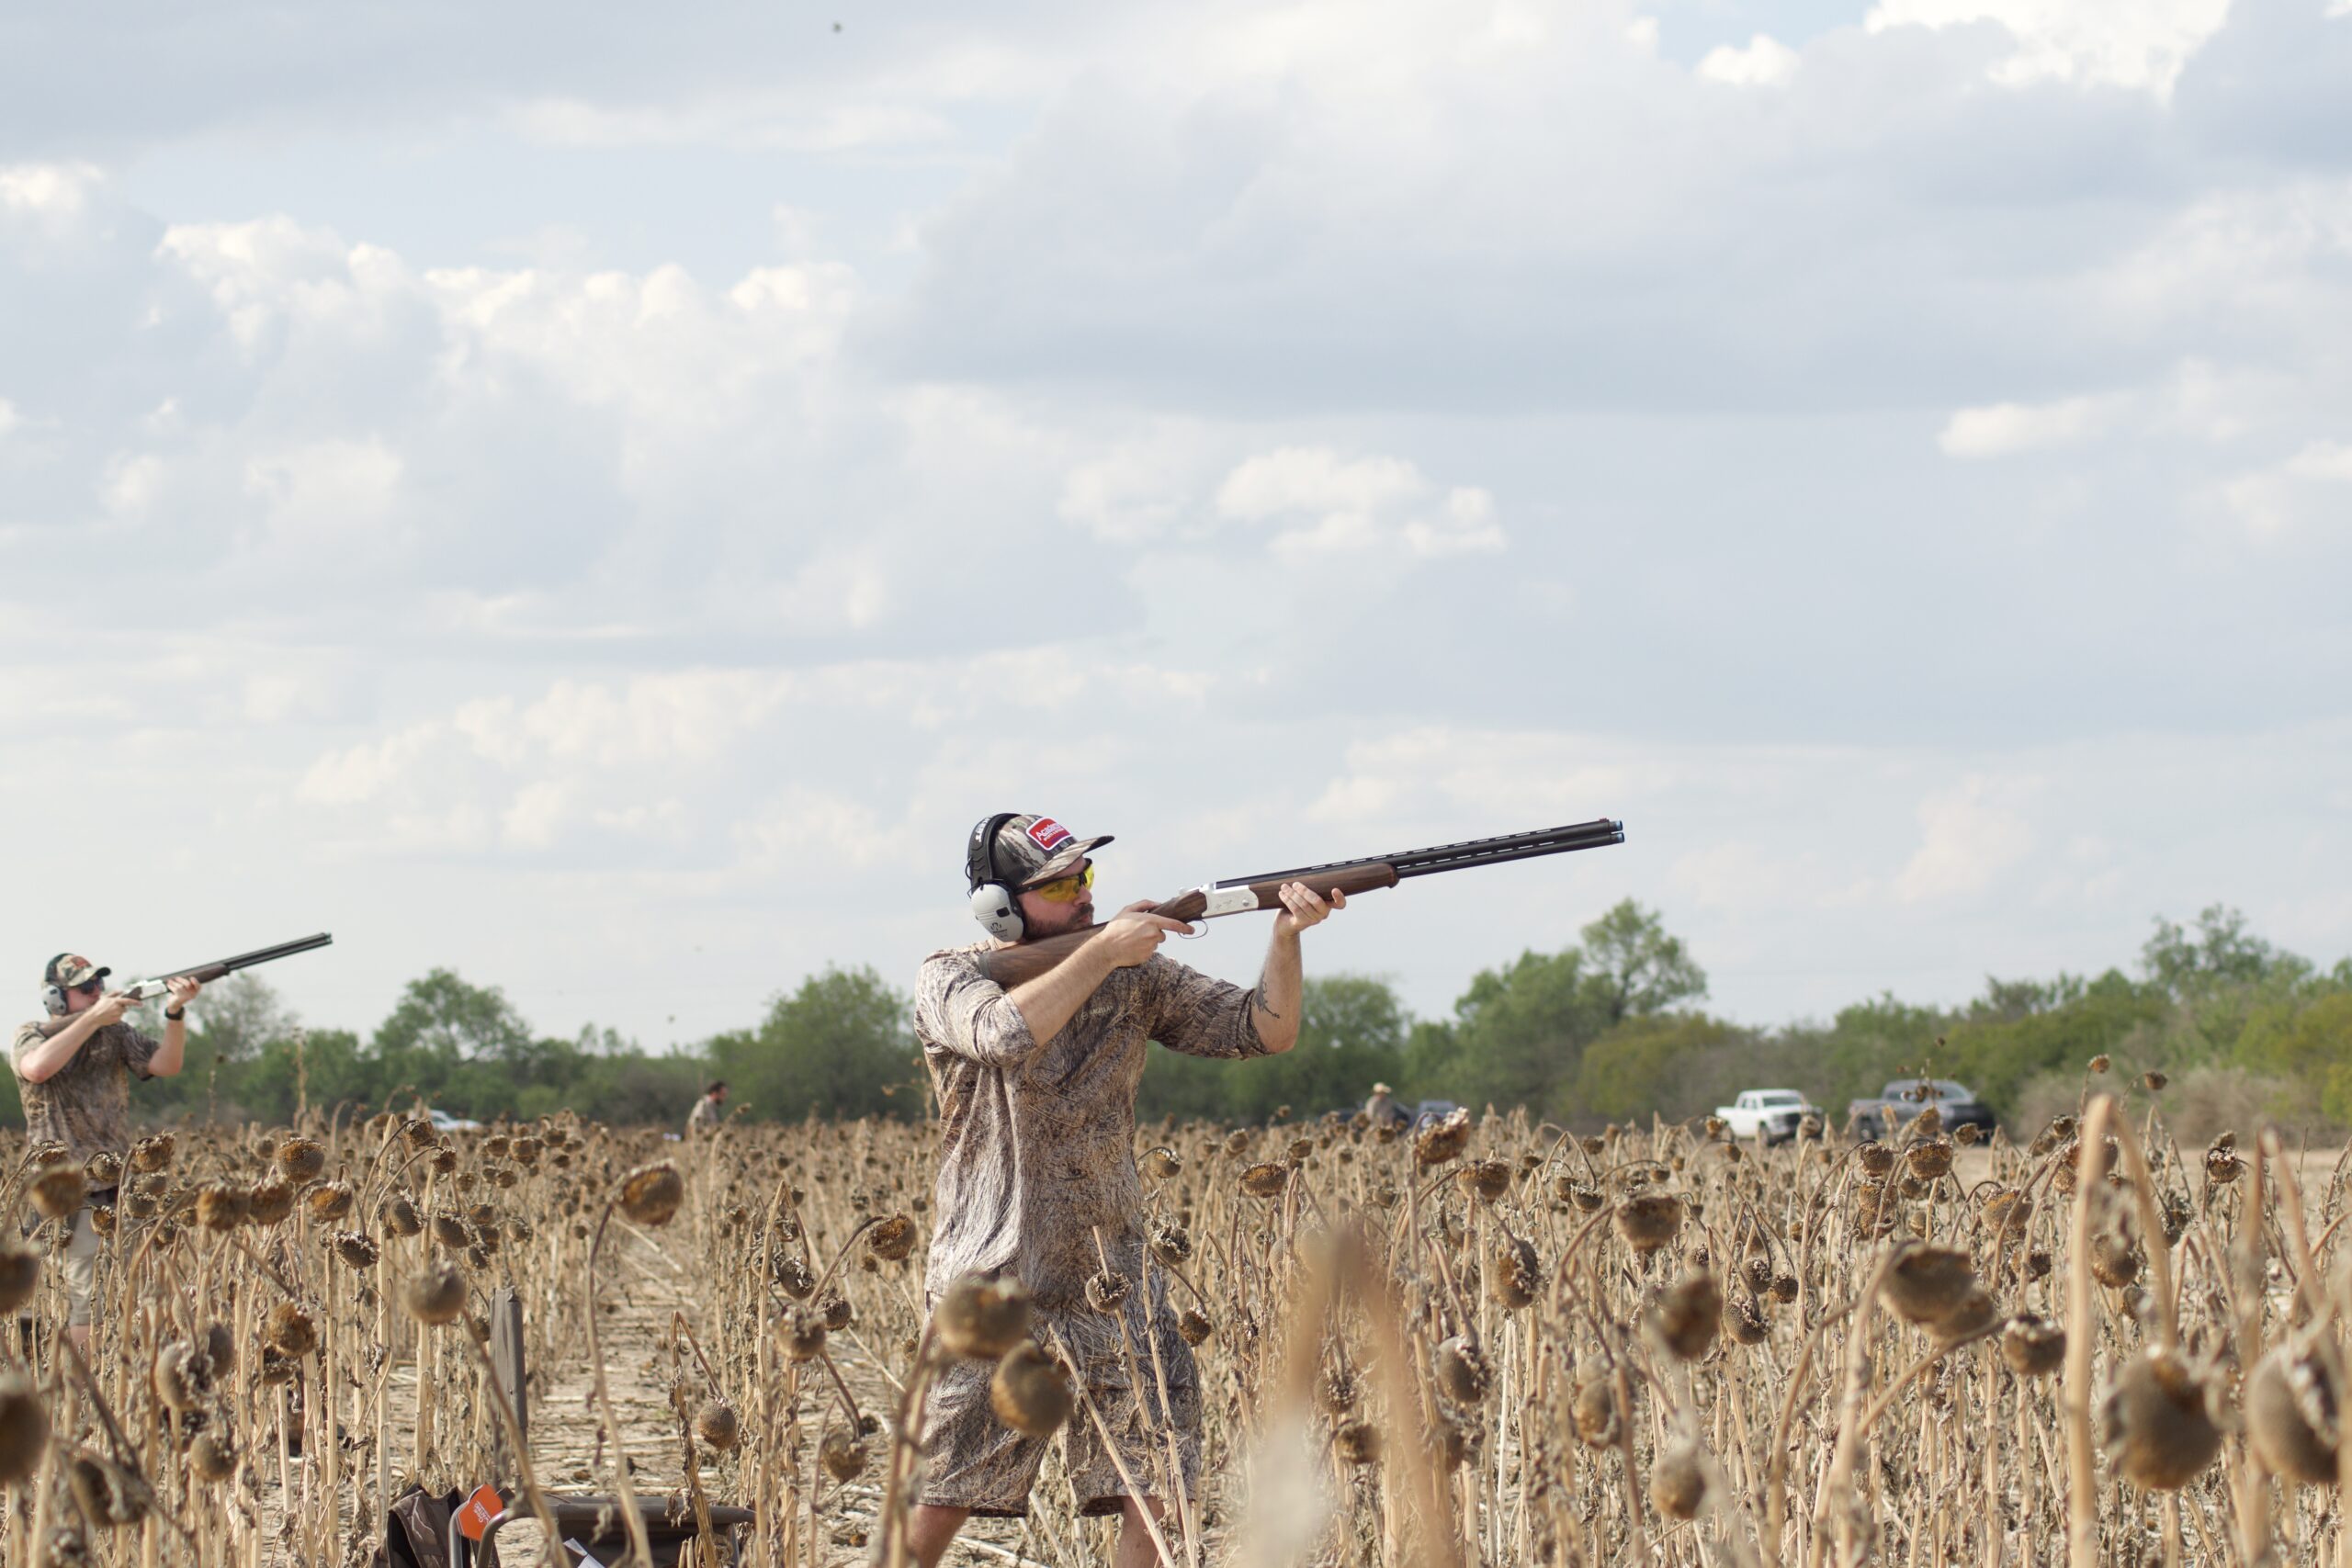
(1047, 834)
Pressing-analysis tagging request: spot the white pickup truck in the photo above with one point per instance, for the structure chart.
(1774, 1113)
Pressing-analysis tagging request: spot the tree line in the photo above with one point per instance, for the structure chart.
(1612, 1028)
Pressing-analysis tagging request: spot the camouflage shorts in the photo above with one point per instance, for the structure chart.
(974, 1460)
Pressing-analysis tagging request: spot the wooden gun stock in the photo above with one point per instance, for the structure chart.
(1024, 961)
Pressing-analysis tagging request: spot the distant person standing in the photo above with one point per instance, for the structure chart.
(703, 1118)
(74, 1073)
(1382, 1108)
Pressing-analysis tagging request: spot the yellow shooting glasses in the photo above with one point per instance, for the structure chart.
(1065, 890)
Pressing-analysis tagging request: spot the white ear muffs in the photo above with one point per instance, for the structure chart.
(998, 911)
(53, 999)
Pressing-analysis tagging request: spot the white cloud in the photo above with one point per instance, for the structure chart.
(2127, 43)
(1764, 63)
(2002, 430)
(1142, 487)
(325, 491)
(1969, 835)
(536, 815)
(2308, 488)
(357, 774)
(1329, 504)
(55, 195)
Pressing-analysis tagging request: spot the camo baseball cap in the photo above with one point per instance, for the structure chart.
(71, 969)
(1029, 850)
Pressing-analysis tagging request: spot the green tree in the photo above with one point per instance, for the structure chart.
(1518, 1034)
(1641, 1067)
(841, 1046)
(2220, 951)
(1636, 968)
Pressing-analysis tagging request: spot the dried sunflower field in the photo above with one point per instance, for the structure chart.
(1486, 1343)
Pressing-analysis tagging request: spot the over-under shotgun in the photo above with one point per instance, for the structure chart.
(1011, 967)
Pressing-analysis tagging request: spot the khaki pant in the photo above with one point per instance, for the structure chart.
(81, 1269)
(79, 1255)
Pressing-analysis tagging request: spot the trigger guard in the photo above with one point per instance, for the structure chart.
(1199, 931)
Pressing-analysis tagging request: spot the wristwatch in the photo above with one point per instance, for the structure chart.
(179, 1016)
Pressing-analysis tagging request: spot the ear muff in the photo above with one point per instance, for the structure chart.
(995, 904)
(52, 995)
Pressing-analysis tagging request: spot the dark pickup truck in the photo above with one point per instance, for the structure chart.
(1905, 1097)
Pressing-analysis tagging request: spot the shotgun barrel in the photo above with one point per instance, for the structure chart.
(147, 990)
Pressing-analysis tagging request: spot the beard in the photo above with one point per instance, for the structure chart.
(1066, 918)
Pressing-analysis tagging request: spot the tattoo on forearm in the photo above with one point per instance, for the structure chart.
(1263, 1005)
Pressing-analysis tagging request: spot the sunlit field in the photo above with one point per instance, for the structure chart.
(1486, 1342)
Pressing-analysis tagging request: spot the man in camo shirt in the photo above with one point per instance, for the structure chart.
(74, 1073)
(1037, 1176)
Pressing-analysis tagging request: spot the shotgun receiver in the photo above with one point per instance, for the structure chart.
(1014, 966)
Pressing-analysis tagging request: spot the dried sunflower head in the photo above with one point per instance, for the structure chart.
(1442, 1141)
(59, 1190)
(1106, 1292)
(892, 1239)
(1030, 1392)
(2155, 1421)
(302, 1159)
(1593, 1409)
(1679, 1481)
(19, 1274)
(1923, 1284)
(651, 1194)
(1685, 1318)
(211, 1458)
(843, 1456)
(290, 1331)
(269, 1203)
(1516, 1277)
(804, 1333)
(981, 1318)
(24, 1427)
(1172, 1245)
(2293, 1414)
(1265, 1179)
(436, 1293)
(1650, 1220)
(716, 1425)
(1463, 1370)
(1485, 1178)
(2032, 1345)
(1357, 1442)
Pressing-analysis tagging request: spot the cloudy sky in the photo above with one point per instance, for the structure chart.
(602, 499)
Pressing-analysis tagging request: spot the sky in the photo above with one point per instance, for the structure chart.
(602, 499)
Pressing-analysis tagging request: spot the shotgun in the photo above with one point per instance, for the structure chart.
(148, 991)
(1024, 961)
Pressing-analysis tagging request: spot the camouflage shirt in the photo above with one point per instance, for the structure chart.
(86, 1104)
(1037, 1141)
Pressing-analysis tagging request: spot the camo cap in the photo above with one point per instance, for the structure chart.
(71, 969)
(1029, 850)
